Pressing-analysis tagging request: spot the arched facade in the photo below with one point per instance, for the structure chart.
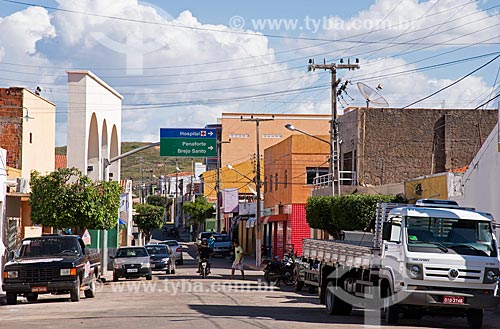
(94, 125)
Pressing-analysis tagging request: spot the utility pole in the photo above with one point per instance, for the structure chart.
(258, 184)
(217, 180)
(334, 163)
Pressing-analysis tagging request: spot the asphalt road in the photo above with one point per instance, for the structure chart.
(184, 300)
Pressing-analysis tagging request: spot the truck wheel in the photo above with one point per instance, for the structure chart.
(90, 292)
(334, 304)
(32, 297)
(11, 298)
(311, 289)
(149, 276)
(75, 291)
(475, 318)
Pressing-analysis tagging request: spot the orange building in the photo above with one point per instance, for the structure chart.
(242, 134)
(290, 168)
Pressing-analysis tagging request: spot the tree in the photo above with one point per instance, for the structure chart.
(198, 210)
(344, 212)
(148, 218)
(66, 198)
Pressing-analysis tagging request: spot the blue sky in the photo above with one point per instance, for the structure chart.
(191, 63)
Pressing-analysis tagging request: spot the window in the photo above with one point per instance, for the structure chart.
(276, 182)
(238, 136)
(460, 236)
(271, 136)
(285, 180)
(265, 184)
(31, 138)
(313, 172)
(271, 183)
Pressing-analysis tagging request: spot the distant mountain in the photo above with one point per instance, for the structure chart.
(143, 165)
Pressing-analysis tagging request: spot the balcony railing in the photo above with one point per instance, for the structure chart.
(345, 177)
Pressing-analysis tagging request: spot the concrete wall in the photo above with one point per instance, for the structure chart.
(94, 124)
(394, 145)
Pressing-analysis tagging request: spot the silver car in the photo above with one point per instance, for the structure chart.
(131, 262)
(176, 250)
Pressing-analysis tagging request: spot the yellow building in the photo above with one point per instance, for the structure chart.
(438, 186)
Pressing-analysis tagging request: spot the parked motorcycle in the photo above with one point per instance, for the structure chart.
(204, 268)
(277, 271)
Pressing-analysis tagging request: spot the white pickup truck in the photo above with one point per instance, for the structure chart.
(431, 257)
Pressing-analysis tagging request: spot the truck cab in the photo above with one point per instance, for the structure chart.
(442, 257)
(51, 264)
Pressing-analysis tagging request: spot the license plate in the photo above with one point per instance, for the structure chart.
(132, 270)
(453, 300)
(39, 289)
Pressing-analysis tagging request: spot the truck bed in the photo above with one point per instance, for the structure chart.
(340, 252)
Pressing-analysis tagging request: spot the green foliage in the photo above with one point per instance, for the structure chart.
(148, 218)
(158, 200)
(345, 212)
(66, 198)
(199, 210)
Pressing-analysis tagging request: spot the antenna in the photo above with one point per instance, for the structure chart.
(371, 95)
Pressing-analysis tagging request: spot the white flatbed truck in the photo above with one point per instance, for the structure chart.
(431, 257)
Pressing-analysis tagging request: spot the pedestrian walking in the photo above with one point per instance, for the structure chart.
(238, 260)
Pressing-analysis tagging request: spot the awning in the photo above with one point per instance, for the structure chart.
(274, 218)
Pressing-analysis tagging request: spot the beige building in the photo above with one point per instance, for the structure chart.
(242, 134)
(28, 124)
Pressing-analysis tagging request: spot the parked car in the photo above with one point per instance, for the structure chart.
(176, 250)
(131, 262)
(222, 245)
(161, 258)
(51, 264)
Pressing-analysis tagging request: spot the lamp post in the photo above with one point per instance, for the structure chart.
(331, 172)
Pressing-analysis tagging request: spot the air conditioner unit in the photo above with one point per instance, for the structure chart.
(22, 185)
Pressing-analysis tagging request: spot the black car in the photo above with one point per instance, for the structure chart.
(51, 264)
(161, 259)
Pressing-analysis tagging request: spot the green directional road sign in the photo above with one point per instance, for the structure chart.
(188, 142)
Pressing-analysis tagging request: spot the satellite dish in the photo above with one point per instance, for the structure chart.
(371, 95)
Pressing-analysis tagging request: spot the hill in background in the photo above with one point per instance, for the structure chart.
(143, 165)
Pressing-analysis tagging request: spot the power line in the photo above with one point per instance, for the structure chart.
(453, 83)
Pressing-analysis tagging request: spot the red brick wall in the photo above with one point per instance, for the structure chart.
(11, 112)
(300, 228)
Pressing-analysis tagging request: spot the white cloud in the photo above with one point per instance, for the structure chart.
(159, 63)
(404, 89)
(411, 21)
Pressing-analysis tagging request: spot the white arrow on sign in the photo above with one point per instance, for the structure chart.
(210, 148)
(210, 133)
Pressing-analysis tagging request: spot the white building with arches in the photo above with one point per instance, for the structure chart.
(94, 125)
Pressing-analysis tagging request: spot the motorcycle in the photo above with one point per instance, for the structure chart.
(277, 271)
(204, 268)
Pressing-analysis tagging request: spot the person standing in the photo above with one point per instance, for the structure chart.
(238, 260)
